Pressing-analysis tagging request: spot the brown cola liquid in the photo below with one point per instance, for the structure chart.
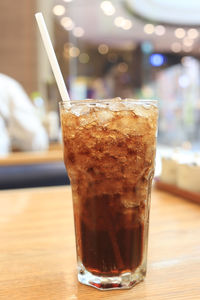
(111, 249)
(109, 157)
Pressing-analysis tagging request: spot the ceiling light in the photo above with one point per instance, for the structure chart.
(179, 33)
(193, 33)
(74, 51)
(176, 47)
(67, 23)
(84, 58)
(160, 30)
(188, 42)
(119, 21)
(146, 47)
(157, 59)
(67, 1)
(78, 31)
(149, 28)
(127, 24)
(103, 49)
(123, 23)
(171, 12)
(58, 10)
(107, 8)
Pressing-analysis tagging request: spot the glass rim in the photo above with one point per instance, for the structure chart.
(88, 101)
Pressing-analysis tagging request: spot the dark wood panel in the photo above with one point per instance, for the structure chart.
(18, 49)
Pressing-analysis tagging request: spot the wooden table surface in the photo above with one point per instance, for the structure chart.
(37, 249)
(24, 158)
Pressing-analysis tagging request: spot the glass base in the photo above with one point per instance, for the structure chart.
(123, 281)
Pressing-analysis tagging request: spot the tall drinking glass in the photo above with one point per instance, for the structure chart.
(109, 152)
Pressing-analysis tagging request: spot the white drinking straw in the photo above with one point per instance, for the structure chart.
(52, 57)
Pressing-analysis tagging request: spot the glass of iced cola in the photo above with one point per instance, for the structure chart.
(109, 152)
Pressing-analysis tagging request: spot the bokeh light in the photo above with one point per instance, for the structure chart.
(78, 32)
(176, 47)
(179, 33)
(188, 42)
(122, 67)
(192, 33)
(74, 51)
(67, 23)
(58, 10)
(84, 58)
(103, 49)
(149, 28)
(107, 8)
(160, 30)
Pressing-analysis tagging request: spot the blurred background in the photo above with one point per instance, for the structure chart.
(126, 48)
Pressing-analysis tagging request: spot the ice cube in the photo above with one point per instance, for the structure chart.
(117, 105)
(101, 104)
(142, 111)
(86, 119)
(147, 106)
(79, 110)
(129, 201)
(104, 116)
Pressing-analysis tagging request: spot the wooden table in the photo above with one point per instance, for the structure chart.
(24, 158)
(37, 249)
